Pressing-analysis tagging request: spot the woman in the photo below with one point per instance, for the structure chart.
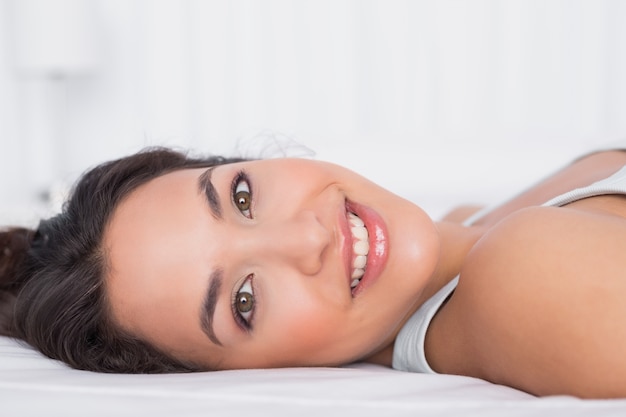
(163, 263)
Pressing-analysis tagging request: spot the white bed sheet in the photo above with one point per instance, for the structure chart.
(31, 385)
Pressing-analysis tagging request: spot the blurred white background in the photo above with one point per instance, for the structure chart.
(442, 101)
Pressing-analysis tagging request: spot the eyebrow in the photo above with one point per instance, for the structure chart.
(207, 313)
(206, 186)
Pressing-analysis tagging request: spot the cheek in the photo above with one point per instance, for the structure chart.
(305, 327)
(312, 328)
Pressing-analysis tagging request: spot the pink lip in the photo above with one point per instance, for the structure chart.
(346, 249)
(379, 245)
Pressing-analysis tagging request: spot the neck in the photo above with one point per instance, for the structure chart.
(456, 242)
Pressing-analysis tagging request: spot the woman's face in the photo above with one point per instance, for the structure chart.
(253, 264)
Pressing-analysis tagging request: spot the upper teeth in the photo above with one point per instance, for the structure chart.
(360, 246)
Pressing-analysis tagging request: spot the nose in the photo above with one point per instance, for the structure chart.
(298, 241)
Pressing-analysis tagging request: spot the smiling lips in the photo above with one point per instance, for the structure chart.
(360, 247)
(370, 246)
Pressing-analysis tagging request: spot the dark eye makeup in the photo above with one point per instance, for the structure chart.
(243, 303)
(242, 194)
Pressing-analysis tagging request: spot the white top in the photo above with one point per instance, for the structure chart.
(408, 351)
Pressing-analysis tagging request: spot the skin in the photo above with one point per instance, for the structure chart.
(163, 243)
(539, 305)
(530, 310)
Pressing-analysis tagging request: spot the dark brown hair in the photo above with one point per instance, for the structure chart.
(51, 279)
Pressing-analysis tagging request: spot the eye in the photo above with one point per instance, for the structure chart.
(242, 197)
(243, 303)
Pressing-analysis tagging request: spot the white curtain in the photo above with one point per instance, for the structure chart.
(373, 84)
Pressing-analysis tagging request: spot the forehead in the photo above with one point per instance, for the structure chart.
(155, 216)
(152, 244)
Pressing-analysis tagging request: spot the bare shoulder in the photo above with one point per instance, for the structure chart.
(540, 306)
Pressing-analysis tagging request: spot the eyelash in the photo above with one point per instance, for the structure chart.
(244, 319)
(241, 192)
(242, 189)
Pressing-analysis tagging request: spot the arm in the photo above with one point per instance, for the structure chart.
(461, 213)
(581, 172)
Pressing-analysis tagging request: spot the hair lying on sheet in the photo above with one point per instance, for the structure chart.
(52, 292)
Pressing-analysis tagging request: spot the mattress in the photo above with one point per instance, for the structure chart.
(32, 385)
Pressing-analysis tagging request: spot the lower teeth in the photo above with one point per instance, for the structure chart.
(355, 282)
